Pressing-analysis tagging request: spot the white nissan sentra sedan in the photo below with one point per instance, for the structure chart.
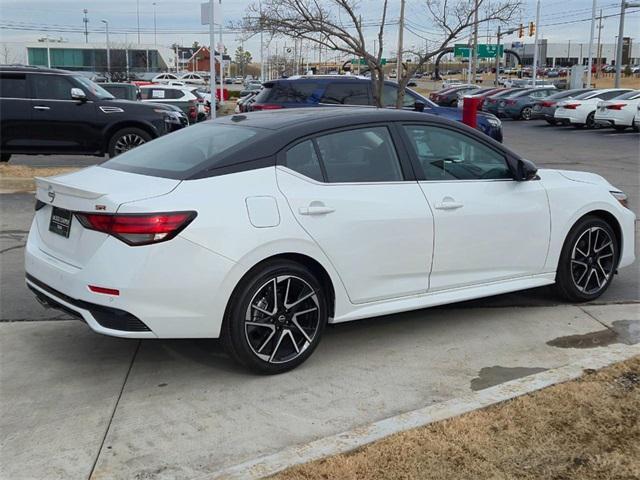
(262, 228)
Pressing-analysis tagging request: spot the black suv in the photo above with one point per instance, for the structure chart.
(46, 111)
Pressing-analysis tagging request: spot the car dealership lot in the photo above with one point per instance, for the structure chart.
(181, 409)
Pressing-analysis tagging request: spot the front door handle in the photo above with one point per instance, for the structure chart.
(41, 107)
(448, 203)
(316, 209)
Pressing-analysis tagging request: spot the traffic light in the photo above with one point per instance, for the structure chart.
(532, 29)
(521, 31)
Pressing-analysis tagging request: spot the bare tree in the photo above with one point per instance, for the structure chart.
(333, 23)
(338, 25)
(453, 19)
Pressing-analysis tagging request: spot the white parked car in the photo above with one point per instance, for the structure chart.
(184, 97)
(192, 79)
(619, 112)
(580, 111)
(636, 120)
(262, 228)
(164, 78)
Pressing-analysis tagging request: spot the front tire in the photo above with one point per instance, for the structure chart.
(588, 260)
(276, 318)
(127, 139)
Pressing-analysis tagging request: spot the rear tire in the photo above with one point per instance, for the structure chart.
(588, 260)
(591, 120)
(5, 157)
(127, 139)
(275, 317)
(525, 113)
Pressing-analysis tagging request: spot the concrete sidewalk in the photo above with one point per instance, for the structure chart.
(77, 405)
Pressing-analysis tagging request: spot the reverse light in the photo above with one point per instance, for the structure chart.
(616, 106)
(621, 197)
(138, 229)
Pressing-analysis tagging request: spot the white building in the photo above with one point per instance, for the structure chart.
(572, 53)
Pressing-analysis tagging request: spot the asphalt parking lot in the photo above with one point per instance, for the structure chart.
(74, 404)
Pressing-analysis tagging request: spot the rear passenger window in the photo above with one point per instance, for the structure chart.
(303, 159)
(289, 92)
(355, 93)
(362, 155)
(13, 86)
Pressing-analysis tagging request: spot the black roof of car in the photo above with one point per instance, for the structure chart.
(312, 118)
(32, 68)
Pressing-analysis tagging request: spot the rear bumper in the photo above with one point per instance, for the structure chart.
(168, 290)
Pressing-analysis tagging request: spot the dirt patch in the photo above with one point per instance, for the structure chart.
(586, 429)
(19, 178)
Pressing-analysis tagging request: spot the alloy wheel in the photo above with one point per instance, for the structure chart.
(526, 113)
(127, 142)
(592, 260)
(282, 319)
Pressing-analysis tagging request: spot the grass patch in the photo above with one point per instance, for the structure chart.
(19, 178)
(586, 429)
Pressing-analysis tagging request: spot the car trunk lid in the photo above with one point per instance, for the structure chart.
(94, 190)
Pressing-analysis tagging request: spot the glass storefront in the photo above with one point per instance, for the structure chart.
(96, 59)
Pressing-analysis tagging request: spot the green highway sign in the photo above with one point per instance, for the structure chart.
(461, 50)
(485, 50)
(362, 61)
(489, 51)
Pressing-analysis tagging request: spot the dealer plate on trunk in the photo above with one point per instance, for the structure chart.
(60, 222)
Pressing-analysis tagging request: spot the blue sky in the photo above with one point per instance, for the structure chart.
(182, 19)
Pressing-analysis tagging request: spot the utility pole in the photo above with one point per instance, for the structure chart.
(155, 35)
(85, 20)
(399, 57)
(593, 27)
(534, 74)
(106, 25)
(262, 79)
(221, 48)
(138, 15)
(474, 58)
(599, 48)
(497, 56)
(623, 6)
(212, 62)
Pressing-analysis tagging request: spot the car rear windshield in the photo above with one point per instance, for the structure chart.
(181, 154)
(286, 92)
(629, 95)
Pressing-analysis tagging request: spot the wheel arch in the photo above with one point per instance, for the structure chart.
(312, 264)
(607, 217)
(112, 129)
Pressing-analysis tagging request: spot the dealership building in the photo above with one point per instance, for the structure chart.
(569, 53)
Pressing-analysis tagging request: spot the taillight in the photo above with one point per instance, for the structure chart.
(265, 106)
(510, 102)
(617, 106)
(193, 109)
(138, 228)
(571, 106)
(548, 104)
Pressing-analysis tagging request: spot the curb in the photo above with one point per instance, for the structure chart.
(358, 437)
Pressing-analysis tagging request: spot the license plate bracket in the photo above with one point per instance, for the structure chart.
(60, 222)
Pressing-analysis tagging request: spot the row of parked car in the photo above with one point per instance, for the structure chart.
(582, 107)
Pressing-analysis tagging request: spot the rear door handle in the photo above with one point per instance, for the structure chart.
(449, 204)
(41, 107)
(316, 210)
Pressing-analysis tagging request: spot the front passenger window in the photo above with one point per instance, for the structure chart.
(51, 87)
(445, 154)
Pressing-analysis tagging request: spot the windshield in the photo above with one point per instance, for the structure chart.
(185, 152)
(94, 88)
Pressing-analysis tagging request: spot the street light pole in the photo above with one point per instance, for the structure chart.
(106, 26)
(138, 16)
(623, 6)
(155, 34)
(212, 60)
(593, 28)
(221, 48)
(86, 25)
(497, 56)
(534, 74)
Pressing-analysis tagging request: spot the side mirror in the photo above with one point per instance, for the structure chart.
(78, 94)
(419, 106)
(526, 170)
